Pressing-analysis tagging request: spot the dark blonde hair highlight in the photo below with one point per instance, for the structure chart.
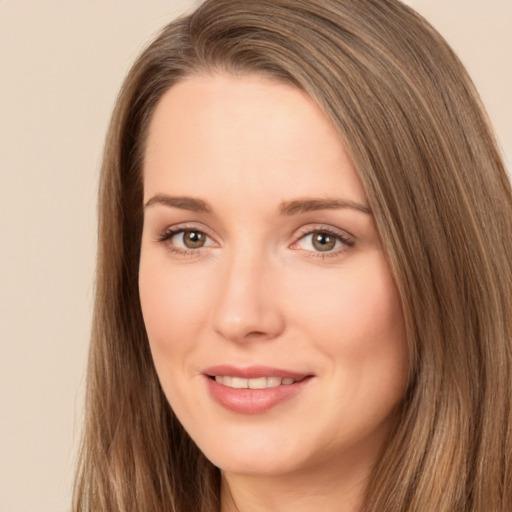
(419, 137)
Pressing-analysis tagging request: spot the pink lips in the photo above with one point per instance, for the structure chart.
(253, 401)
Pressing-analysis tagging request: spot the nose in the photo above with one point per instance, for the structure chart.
(248, 306)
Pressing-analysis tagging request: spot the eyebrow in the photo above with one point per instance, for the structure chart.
(298, 206)
(287, 208)
(185, 203)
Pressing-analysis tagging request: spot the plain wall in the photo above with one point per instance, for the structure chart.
(61, 64)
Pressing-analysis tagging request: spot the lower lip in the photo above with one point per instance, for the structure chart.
(254, 401)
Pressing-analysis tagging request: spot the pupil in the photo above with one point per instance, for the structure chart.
(193, 239)
(324, 242)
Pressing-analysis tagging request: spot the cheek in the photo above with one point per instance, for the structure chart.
(376, 341)
(173, 306)
(355, 319)
(362, 299)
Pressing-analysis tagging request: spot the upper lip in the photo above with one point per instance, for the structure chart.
(252, 372)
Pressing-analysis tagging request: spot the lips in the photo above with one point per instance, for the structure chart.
(255, 389)
(255, 383)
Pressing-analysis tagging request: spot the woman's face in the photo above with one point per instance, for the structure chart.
(272, 316)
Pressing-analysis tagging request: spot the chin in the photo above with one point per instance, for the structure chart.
(258, 457)
(259, 466)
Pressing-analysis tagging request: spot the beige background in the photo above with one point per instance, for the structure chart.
(61, 64)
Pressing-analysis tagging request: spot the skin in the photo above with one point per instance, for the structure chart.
(260, 292)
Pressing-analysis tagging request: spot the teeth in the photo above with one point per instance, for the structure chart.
(273, 382)
(239, 383)
(228, 381)
(259, 383)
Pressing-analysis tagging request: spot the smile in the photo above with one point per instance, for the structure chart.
(254, 390)
(257, 383)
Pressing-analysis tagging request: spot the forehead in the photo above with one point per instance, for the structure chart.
(248, 133)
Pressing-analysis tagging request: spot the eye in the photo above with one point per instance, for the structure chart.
(323, 241)
(191, 239)
(185, 239)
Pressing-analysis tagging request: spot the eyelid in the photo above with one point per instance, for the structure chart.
(312, 228)
(347, 239)
(168, 232)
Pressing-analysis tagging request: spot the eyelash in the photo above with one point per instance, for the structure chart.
(168, 233)
(347, 241)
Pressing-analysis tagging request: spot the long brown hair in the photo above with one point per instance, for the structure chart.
(418, 135)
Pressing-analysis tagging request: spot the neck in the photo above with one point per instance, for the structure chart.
(298, 492)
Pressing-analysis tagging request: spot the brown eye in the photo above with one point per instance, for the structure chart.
(186, 240)
(323, 241)
(193, 239)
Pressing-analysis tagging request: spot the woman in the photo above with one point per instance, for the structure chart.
(304, 282)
